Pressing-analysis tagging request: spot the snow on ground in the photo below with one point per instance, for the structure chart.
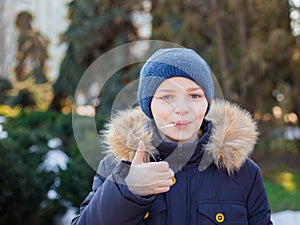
(286, 217)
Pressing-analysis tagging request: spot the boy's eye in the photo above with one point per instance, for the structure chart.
(196, 96)
(166, 97)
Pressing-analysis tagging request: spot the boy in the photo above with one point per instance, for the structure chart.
(177, 159)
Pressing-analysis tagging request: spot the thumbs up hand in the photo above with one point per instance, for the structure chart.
(146, 179)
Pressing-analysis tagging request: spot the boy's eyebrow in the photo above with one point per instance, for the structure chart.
(165, 90)
(194, 89)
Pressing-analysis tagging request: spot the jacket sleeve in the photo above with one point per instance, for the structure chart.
(110, 201)
(259, 211)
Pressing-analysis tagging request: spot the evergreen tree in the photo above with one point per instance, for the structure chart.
(95, 28)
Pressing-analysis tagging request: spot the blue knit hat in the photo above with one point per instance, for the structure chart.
(173, 62)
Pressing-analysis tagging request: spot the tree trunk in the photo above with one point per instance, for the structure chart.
(221, 50)
(242, 28)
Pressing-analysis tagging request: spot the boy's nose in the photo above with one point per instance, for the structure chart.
(181, 107)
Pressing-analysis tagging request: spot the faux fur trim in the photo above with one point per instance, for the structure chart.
(233, 137)
(123, 133)
(232, 140)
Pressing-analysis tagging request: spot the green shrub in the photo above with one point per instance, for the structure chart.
(25, 184)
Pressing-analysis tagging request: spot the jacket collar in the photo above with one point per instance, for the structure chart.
(188, 154)
(231, 141)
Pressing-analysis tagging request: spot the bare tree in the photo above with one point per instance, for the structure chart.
(224, 71)
(240, 9)
(32, 50)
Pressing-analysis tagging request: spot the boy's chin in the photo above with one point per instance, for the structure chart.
(182, 139)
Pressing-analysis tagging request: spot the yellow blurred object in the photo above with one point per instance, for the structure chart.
(43, 93)
(8, 111)
(287, 181)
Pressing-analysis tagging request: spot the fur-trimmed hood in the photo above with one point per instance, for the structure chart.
(233, 136)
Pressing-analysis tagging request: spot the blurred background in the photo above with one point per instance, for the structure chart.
(253, 48)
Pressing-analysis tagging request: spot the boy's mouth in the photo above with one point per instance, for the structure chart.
(182, 123)
(176, 124)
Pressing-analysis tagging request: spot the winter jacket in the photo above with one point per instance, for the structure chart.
(216, 181)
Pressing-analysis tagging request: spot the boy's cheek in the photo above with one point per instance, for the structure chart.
(162, 110)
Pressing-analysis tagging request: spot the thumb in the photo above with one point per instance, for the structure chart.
(139, 154)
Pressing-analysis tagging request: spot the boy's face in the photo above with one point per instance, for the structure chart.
(179, 101)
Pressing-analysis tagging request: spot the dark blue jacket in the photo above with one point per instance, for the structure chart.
(216, 182)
